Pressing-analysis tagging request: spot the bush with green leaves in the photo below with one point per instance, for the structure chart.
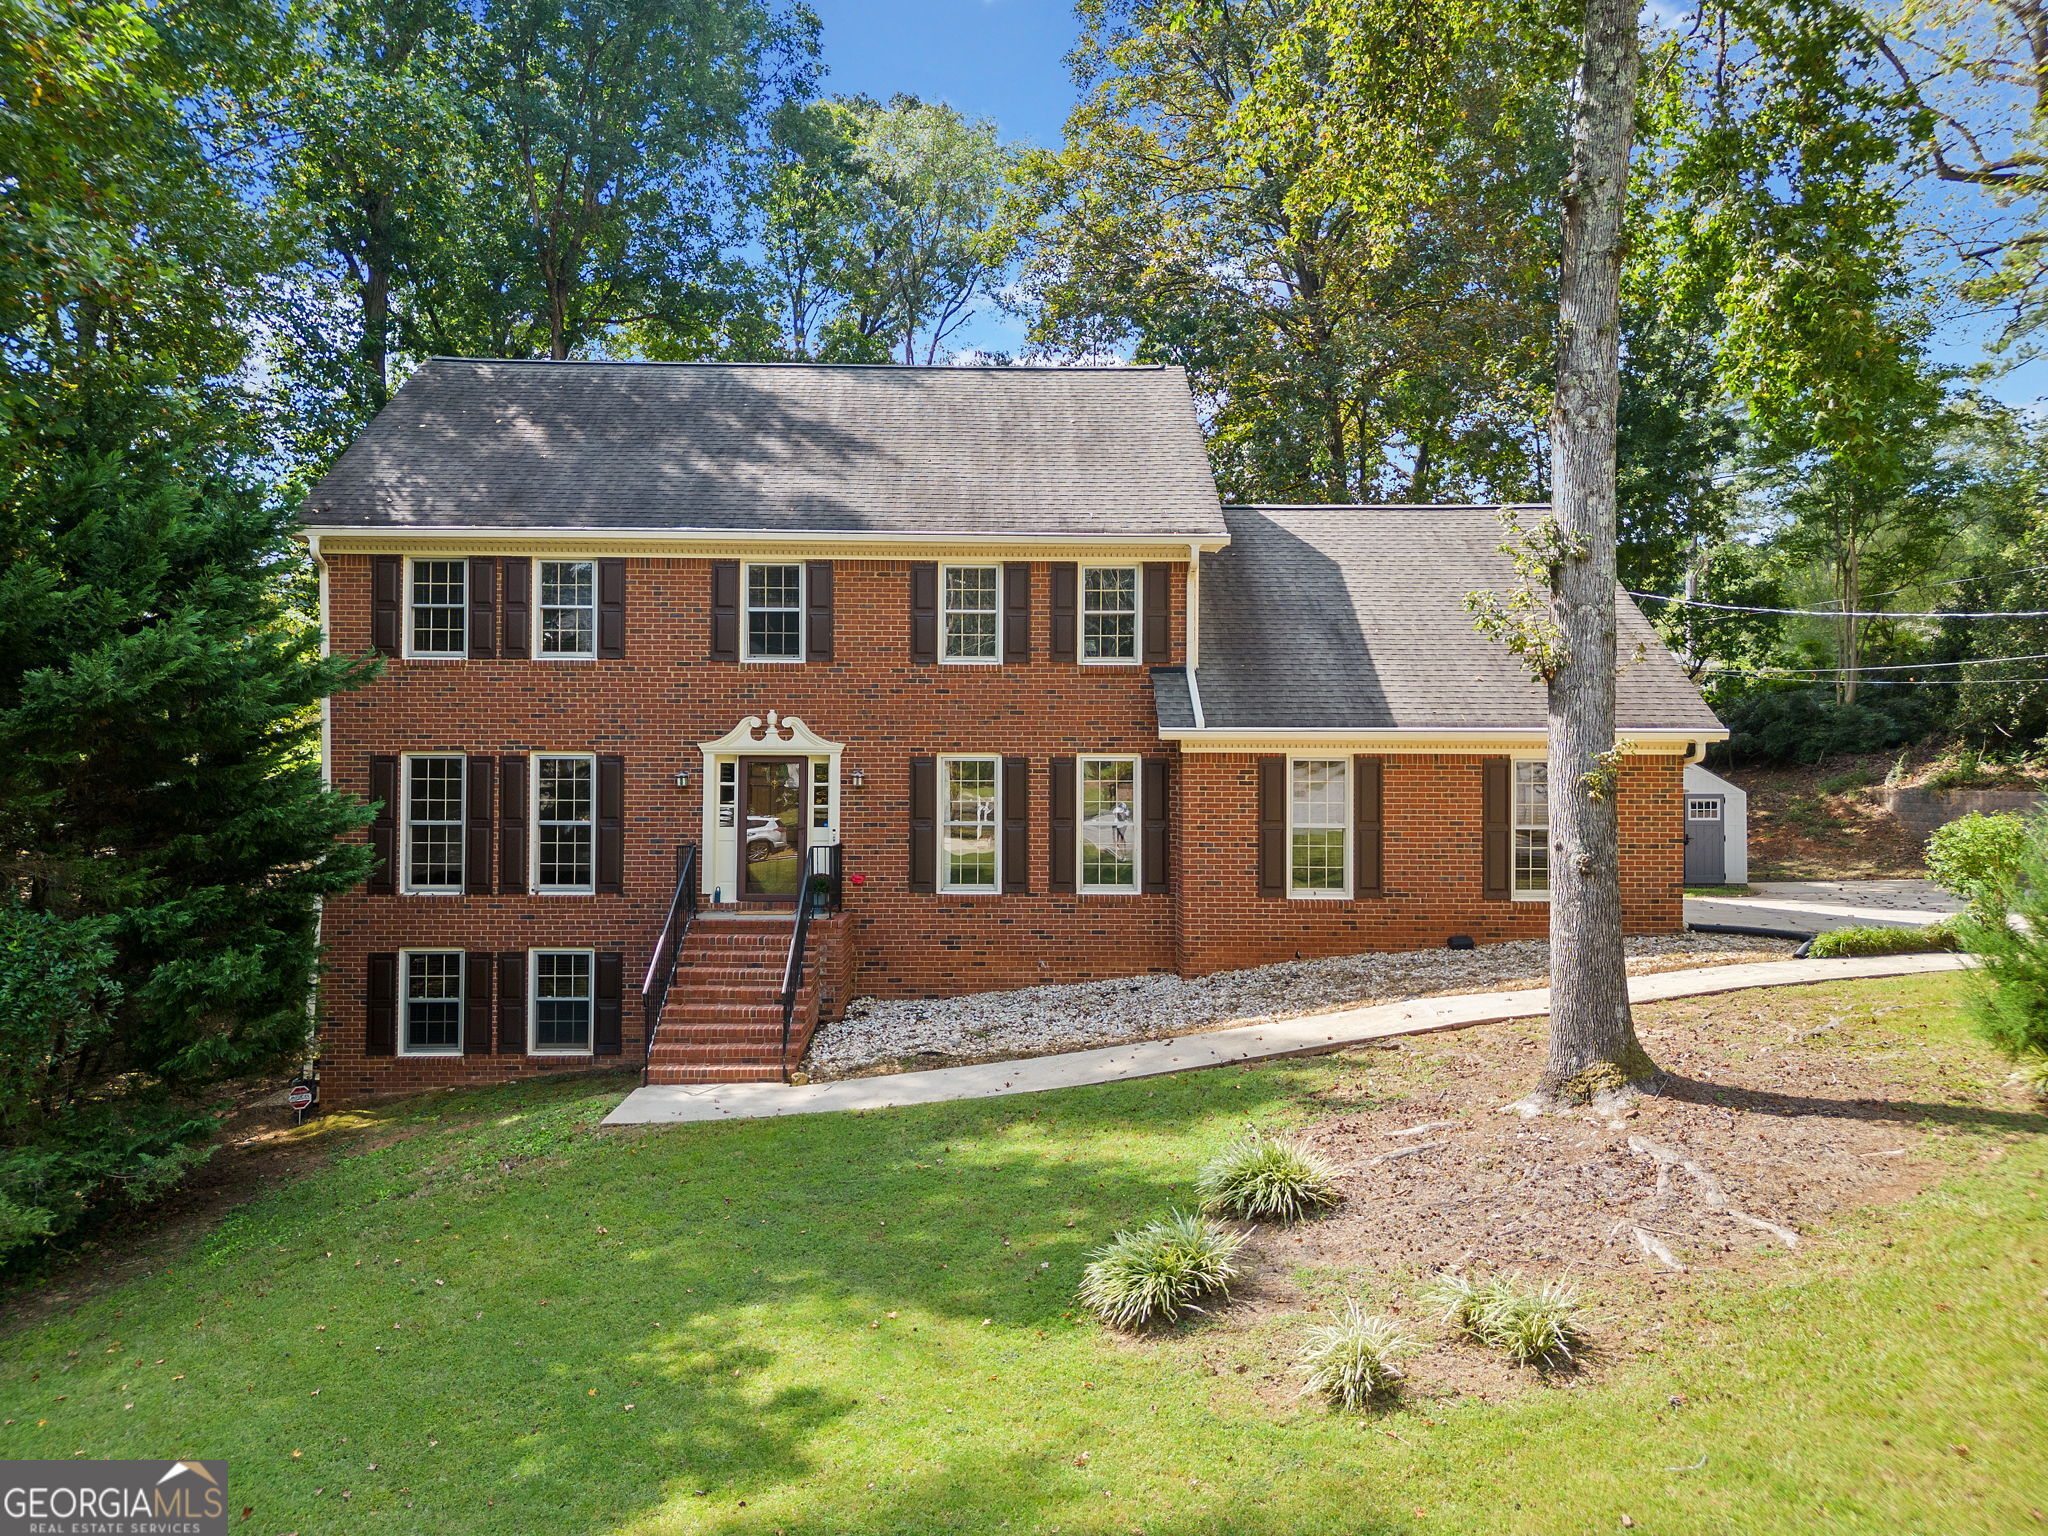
(1160, 1270)
(1975, 855)
(1266, 1178)
(1527, 1322)
(2006, 995)
(1806, 725)
(1929, 938)
(1355, 1358)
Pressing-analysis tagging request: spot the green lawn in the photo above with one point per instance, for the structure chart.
(510, 1322)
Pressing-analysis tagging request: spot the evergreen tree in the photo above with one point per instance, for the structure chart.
(165, 835)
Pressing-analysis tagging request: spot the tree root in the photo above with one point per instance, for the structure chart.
(1707, 1186)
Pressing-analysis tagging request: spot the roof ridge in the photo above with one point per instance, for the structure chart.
(1381, 506)
(951, 368)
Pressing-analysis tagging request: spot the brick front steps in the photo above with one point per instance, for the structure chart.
(722, 1022)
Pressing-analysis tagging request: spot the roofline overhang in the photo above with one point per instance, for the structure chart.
(1183, 543)
(1678, 742)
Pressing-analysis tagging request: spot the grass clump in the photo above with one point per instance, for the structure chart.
(1355, 1359)
(1929, 939)
(1263, 1178)
(1160, 1270)
(1528, 1323)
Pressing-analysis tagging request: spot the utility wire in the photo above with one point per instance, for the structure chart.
(1834, 613)
(1889, 682)
(1903, 666)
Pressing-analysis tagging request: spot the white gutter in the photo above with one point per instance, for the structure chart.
(1194, 542)
(1195, 699)
(1194, 646)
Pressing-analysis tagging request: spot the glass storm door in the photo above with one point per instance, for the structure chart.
(772, 838)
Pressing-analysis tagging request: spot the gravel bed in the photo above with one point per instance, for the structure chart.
(912, 1034)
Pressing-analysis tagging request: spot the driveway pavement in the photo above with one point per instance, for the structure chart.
(1815, 906)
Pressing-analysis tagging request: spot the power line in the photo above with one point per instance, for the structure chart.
(1890, 682)
(1834, 613)
(1903, 666)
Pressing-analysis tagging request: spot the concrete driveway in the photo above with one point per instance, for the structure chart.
(1815, 906)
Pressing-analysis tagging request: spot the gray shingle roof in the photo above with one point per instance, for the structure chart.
(1353, 618)
(769, 447)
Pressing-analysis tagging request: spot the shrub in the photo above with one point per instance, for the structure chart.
(1160, 1270)
(1858, 777)
(1974, 855)
(1805, 725)
(2007, 929)
(1353, 1359)
(1264, 1178)
(1526, 1322)
(1930, 939)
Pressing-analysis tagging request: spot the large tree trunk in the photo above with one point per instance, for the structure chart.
(1593, 1047)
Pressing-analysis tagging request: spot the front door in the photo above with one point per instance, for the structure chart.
(772, 827)
(1706, 842)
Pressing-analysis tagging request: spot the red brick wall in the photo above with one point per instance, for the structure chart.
(666, 695)
(1431, 810)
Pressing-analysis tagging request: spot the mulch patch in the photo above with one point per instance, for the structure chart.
(1796, 1109)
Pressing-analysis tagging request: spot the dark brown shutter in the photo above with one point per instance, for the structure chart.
(512, 1003)
(818, 610)
(725, 610)
(1158, 613)
(387, 604)
(611, 609)
(1155, 775)
(483, 608)
(1060, 877)
(515, 607)
(1496, 829)
(1066, 611)
(924, 823)
(1368, 836)
(924, 611)
(611, 826)
(384, 826)
(512, 811)
(476, 1002)
(606, 1033)
(1016, 825)
(380, 1028)
(1272, 826)
(1017, 611)
(480, 824)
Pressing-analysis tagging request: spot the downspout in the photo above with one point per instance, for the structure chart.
(1194, 625)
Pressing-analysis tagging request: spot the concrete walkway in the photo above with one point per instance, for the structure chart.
(675, 1104)
(1818, 906)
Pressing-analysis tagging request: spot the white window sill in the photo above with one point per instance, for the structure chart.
(560, 1055)
(1109, 661)
(437, 890)
(772, 661)
(1109, 890)
(435, 656)
(440, 1051)
(563, 890)
(564, 656)
(970, 890)
(970, 661)
(1532, 895)
(1318, 895)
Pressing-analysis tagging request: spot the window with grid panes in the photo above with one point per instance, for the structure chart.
(433, 823)
(565, 823)
(440, 607)
(568, 607)
(967, 855)
(562, 1000)
(971, 596)
(775, 612)
(433, 1002)
(1319, 815)
(1109, 824)
(1109, 613)
(1532, 828)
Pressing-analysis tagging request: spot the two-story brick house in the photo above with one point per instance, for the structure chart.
(986, 633)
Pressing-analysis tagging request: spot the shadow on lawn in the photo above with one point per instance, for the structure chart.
(1904, 1113)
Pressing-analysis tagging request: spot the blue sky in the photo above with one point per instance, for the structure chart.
(1003, 59)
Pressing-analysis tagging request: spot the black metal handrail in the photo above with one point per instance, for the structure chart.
(818, 891)
(661, 969)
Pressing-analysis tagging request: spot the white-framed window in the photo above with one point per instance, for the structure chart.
(432, 1020)
(1703, 810)
(773, 596)
(564, 823)
(564, 1002)
(1319, 828)
(970, 801)
(1531, 830)
(568, 608)
(434, 809)
(970, 613)
(437, 609)
(1109, 613)
(1109, 824)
